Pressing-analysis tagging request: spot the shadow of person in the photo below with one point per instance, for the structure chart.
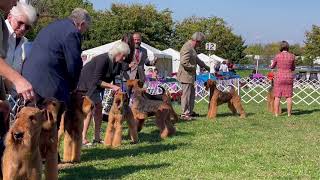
(103, 153)
(299, 112)
(92, 172)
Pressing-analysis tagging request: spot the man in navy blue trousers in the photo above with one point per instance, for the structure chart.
(54, 65)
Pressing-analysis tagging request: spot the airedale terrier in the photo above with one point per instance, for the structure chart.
(21, 158)
(144, 105)
(218, 97)
(119, 112)
(72, 124)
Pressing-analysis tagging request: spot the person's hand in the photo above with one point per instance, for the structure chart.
(115, 88)
(132, 64)
(24, 88)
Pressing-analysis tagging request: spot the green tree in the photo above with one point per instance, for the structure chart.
(255, 49)
(156, 26)
(51, 10)
(229, 45)
(312, 45)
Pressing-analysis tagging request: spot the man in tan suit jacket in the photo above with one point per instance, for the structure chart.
(187, 74)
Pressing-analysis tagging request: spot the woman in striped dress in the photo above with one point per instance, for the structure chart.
(283, 84)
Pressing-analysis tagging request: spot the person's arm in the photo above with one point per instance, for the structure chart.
(274, 63)
(106, 85)
(147, 61)
(72, 52)
(185, 61)
(22, 86)
(202, 64)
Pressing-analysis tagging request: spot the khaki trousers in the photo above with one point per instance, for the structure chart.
(188, 98)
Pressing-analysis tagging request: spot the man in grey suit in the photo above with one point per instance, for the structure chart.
(140, 58)
(187, 74)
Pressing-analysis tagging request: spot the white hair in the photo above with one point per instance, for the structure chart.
(80, 15)
(26, 10)
(119, 47)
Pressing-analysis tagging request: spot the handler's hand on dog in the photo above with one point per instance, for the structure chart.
(115, 88)
(24, 88)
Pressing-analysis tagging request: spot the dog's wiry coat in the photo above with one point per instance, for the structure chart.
(143, 106)
(120, 111)
(72, 125)
(218, 97)
(22, 159)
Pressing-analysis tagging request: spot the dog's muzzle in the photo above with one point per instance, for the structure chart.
(18, 136)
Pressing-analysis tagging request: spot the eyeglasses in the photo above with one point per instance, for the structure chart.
(26, 26)
(21, 23)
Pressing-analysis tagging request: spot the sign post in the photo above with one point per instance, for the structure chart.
(210, 47)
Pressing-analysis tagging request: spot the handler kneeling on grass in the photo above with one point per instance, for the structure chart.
(187, 74)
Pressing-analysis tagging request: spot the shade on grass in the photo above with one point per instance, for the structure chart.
(260, 146)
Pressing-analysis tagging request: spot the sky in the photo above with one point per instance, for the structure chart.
(257, 21)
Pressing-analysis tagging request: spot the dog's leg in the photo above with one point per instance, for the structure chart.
(67, 148)
(140, 124)
(174, 115)
(109, 131)
(133, 129)
(9, 172)
(232, 108)
(237, 104)
(212, 113)
(77, 149)
(77, 142)
(118, 132)
(270, 102)
(161, 117)
(37, 168)
(51, 156)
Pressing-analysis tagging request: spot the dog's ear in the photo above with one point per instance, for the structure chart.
(87, 105)
(140, 83)
(48, 119)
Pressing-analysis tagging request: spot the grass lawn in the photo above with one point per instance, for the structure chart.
(259, 147)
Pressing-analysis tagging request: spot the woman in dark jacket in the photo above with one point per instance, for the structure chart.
(96, 76)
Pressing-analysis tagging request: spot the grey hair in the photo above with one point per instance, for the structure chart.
(80, 15)
(24, 9)
(198, 36)
(119, 47)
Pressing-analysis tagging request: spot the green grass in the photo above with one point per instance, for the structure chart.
(259, 147)
(246, 73)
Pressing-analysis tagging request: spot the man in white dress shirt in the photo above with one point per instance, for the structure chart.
(19, 21)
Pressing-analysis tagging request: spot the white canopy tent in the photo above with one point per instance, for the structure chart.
(175, 58)
(217, 58)
(164, 64)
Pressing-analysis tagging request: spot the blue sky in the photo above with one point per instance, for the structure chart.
(258, 21)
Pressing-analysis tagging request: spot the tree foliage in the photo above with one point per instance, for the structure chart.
(312, 48)
(157, 27)
(229, 45)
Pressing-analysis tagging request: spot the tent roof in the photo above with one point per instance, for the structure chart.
(152, 52)
(174, 53)
(204, 58)
(217, 58)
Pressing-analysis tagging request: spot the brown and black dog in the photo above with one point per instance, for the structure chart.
(22, 158)
(119, 112)
(49, 137)
(270, 100)
(72, 124)
(144, 105)
(217, 98)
